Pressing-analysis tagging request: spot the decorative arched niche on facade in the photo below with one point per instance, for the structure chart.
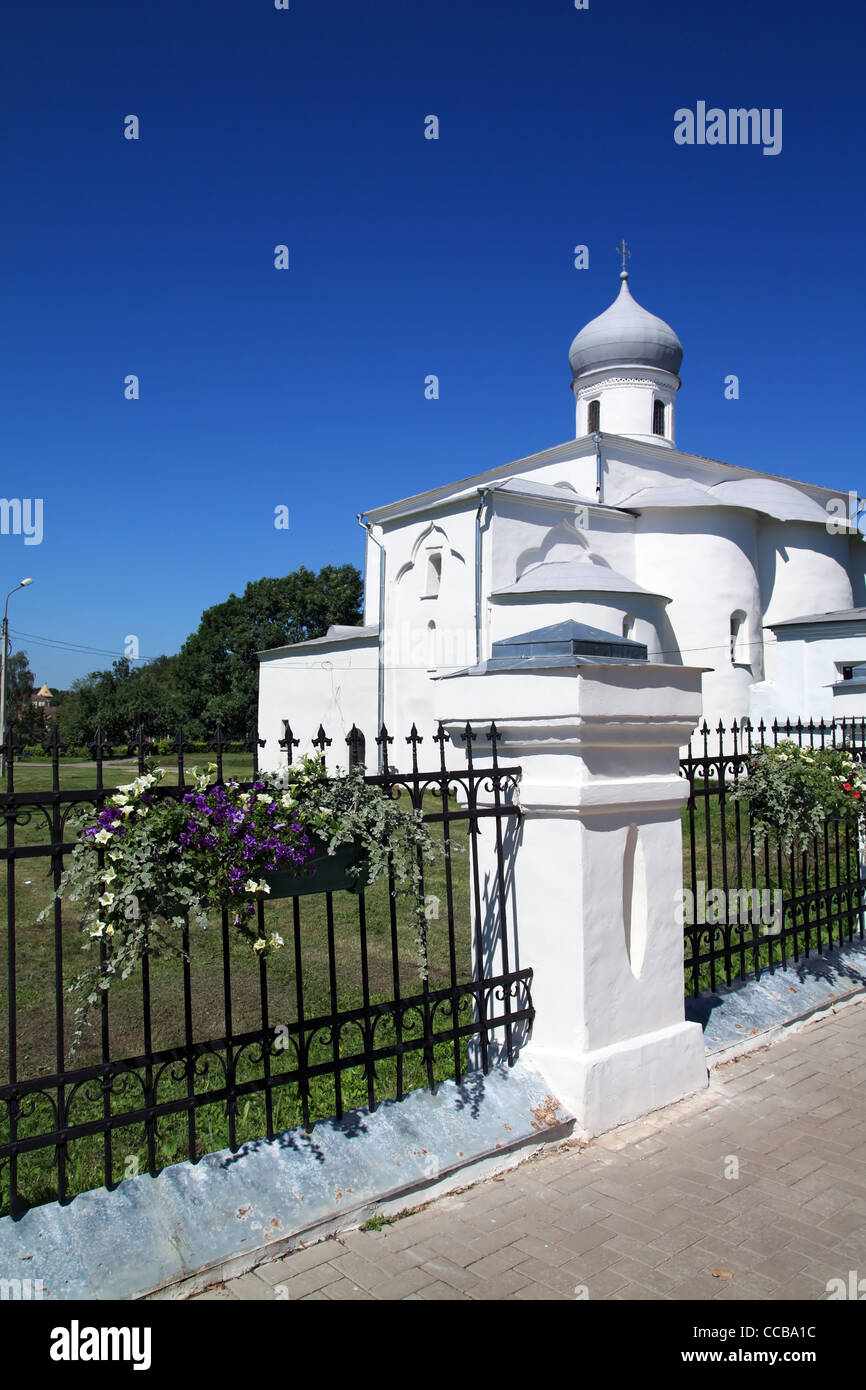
(565, 541)
(431, 553)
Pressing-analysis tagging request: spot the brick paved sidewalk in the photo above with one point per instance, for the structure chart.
(646, 1212)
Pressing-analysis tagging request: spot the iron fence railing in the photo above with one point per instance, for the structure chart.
(748, 906)
(216, 1048)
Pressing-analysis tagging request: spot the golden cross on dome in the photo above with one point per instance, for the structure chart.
(624, 252)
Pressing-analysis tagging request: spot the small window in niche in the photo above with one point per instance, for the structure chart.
(594, 417)
(628, 625)
(434, 574)
(431, 646)
(659, 418)
(739, 645)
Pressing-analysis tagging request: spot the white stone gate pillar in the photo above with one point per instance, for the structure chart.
(596, 875)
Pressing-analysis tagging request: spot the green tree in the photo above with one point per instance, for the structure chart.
(25, 719)
(217, 667)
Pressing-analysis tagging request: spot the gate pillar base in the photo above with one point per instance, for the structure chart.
(617, 1084)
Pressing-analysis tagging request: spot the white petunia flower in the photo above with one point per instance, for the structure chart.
(260, 945)
(276, 940)
(102, 837)
(106, 900)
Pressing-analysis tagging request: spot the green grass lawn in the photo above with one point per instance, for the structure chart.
(132, 1148)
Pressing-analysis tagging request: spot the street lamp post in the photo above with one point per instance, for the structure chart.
(4, 643)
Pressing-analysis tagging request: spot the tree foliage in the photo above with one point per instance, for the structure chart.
(214, 678)
(26, 720)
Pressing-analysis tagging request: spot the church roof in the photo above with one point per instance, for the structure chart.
(573, 577)
(684, 494)
(769, 496)
(840, 615)
(336, 633)
(567, 644)
(626, 335)
(548, 492)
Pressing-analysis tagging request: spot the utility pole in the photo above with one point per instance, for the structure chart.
(3, 660)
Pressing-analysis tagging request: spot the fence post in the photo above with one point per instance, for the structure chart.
(596, 873)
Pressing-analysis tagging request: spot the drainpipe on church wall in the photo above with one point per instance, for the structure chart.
(596, 439)
(483, 494)
(380, 683)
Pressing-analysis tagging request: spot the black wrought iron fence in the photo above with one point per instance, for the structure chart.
(217, 1048)
(749, 906)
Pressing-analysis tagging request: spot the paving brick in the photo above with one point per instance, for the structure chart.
(491, 1266)
(410, 1281)
(344, 1290)
(500, 1287)
(543, 1250)
(535, 1272)
(310, 1257)
(308, 1281)
(435, 1292)
(359, 1271)
(250, 1287)
(644, 1213)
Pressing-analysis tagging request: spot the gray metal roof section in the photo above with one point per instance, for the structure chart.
(684, 494)
(547, 492)
(841, 615)
(336, 633)
(626, 334)
(561, 644)
(573, 577)
(773, 498)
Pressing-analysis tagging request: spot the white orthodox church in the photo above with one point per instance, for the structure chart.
(750, 575)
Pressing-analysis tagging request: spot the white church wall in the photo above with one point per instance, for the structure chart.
(803, 570)
(711, 577)
(801, 671)
(522, 536)
(332, 684)
(429, 612)
(857, 569)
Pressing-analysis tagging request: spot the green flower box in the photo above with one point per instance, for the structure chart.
(331, 874)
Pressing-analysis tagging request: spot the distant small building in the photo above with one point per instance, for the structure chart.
(41, 699)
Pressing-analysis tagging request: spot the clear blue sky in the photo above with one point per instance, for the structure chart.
(306, 387)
